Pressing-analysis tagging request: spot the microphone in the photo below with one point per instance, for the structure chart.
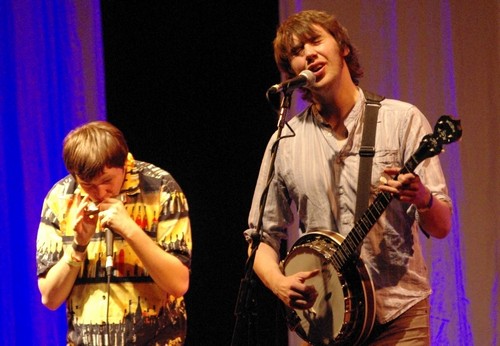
(110, 237)
(109, 250)
(305, 78)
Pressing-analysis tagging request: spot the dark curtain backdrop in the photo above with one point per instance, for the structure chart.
(186, 81)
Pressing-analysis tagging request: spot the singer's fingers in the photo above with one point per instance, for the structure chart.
(106, 216)
(77, 221)
(82, 204)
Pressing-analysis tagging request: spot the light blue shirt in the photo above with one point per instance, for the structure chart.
(320, 177)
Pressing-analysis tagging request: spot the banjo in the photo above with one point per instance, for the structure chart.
(344, 311)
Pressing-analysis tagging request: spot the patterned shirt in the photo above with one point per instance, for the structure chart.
(140, 313)
(319, 174)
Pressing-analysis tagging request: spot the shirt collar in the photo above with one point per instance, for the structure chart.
(351, 119)
(131, 183)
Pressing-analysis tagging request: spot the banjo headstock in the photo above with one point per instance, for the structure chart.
(447, 130)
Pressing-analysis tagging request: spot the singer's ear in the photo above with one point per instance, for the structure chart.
(123, 198)
(345, 51)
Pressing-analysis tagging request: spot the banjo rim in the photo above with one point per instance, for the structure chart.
(357, 322)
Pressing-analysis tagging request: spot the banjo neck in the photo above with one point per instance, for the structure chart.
(447, 130)
(348, 249)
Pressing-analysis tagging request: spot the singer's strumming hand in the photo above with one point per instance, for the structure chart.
(295, 291)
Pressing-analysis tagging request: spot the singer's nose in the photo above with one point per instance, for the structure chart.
(101, 192)
(309, 53)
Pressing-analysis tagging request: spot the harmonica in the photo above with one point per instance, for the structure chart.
(91, 210)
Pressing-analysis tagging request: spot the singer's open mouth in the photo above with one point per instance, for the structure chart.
(315, 67)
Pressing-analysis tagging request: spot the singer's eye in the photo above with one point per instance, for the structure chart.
(296, 51)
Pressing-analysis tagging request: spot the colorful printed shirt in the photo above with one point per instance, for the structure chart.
(140, 313)
(320, 176)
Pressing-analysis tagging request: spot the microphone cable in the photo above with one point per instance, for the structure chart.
(109, 236)
(109, 240)
(108, 293)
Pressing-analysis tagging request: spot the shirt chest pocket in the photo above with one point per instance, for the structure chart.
(384, 158)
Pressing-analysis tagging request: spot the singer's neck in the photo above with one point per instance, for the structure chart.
(336, 106)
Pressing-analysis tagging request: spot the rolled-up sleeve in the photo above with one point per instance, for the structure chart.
(277, 211)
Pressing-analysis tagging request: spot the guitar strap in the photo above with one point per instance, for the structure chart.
(367, 151)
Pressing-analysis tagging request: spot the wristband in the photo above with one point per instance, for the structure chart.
(428, 206)
(71, 261)
(79, 248)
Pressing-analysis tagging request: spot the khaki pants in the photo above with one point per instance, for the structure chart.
(411, 328)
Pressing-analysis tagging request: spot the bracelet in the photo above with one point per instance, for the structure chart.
(71, 261)
(79, 248)
(428, 206)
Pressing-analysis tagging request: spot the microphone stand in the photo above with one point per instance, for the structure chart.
(245, 304)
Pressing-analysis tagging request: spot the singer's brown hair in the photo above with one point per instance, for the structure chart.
(301, 26)
(90, 148)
